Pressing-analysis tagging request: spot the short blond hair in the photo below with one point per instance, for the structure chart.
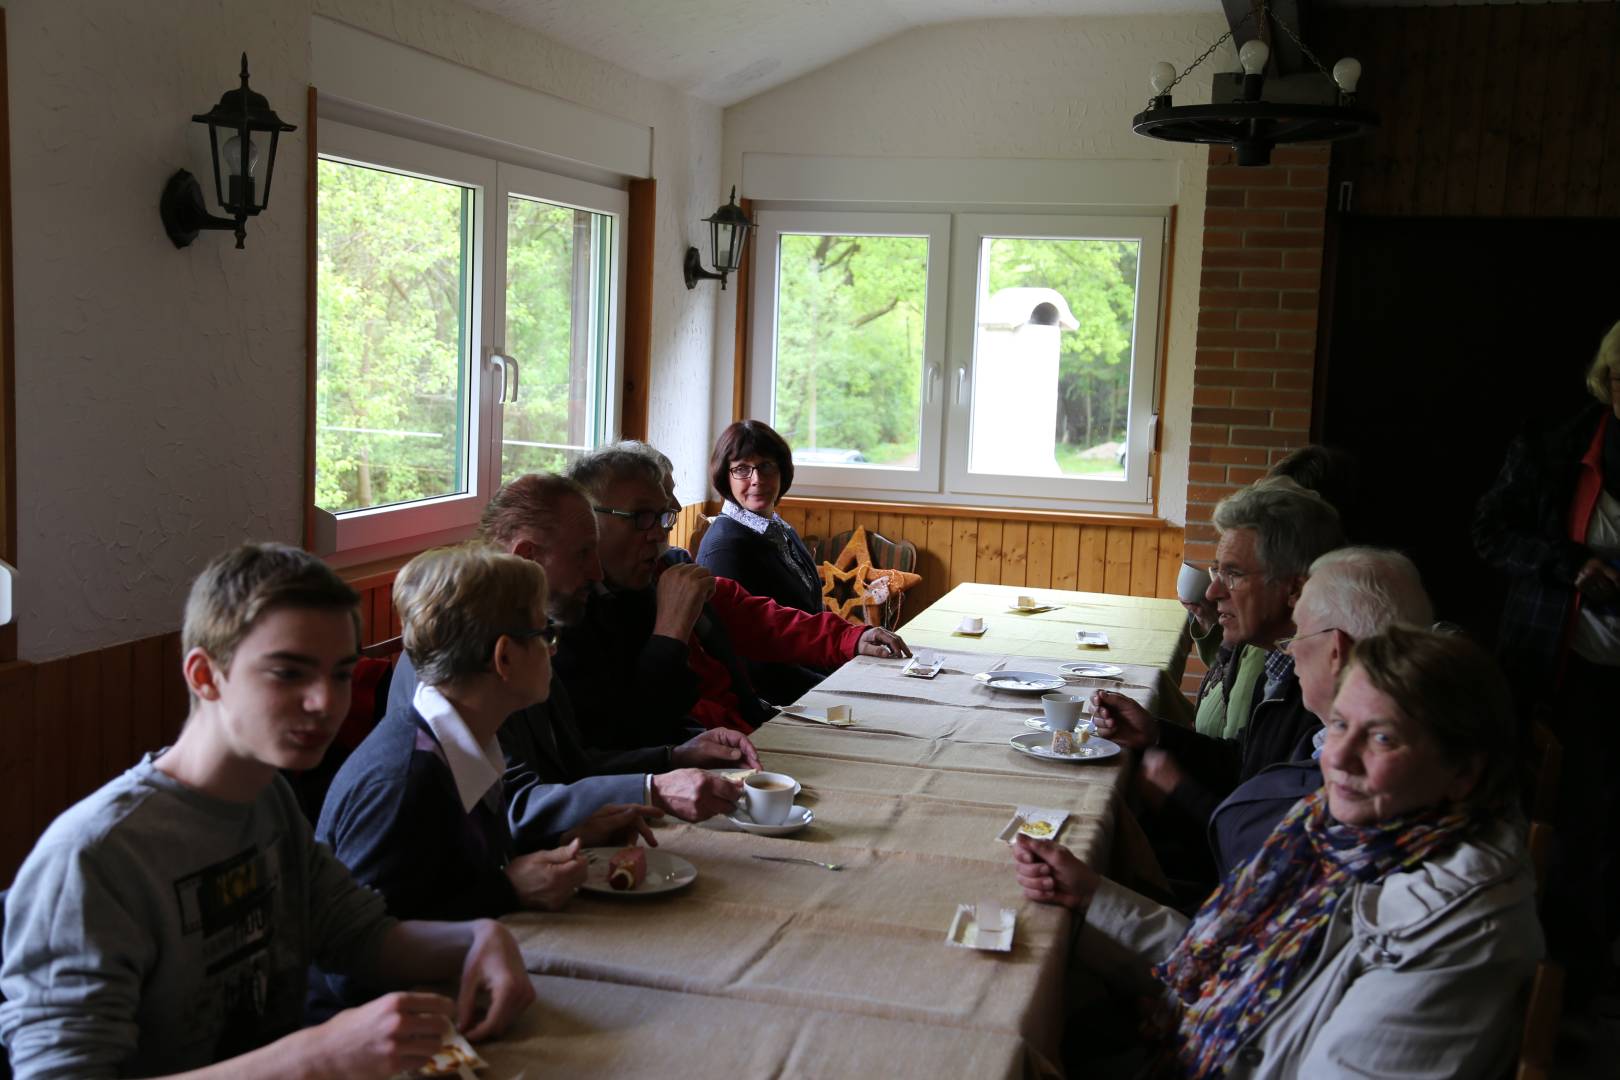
(455, 602)
(1604, 364)
(239, 587)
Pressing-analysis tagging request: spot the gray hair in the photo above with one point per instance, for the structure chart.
(601, 469)
(1292, 526)
(639, 446)
(1364, 591)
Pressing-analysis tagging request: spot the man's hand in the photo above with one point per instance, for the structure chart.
(547, 879)
(715, 747)
(1158, 777)
(683, 589)
(393, 1034)
(493, 980)
(1123, 720)
(615, 825)
(1598, 581)
(1049, 873)
(880, 642)
(1203, 613)
(694, 795)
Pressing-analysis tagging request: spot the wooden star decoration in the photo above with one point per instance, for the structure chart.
(846, 582)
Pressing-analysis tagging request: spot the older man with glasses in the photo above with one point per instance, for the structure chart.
(1270, 533)
(664, 644)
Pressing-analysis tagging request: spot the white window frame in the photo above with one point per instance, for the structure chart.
(770, 226)
(1135, 491)
(943, 476)
(379, 530)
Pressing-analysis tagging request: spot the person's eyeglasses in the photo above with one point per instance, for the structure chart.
(1286, 645)
(1229, 579)
(742, 471)
(546, 633)
(642, 520)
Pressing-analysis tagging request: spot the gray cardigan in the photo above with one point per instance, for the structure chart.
(1421, 975)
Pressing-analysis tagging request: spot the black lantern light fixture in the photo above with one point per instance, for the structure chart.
(728, 232)
(1314, 106)
(242, 130)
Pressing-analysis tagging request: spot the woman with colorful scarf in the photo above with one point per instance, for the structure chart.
(1386, 928)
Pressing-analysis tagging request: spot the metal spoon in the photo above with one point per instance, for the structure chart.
(806, 862)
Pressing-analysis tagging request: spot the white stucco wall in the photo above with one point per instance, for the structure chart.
(160, 396)
(1014, 88)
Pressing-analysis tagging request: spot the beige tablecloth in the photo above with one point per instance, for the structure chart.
(762, 968)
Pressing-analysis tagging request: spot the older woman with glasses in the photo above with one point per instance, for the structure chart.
(1386, 927)
(752, 468)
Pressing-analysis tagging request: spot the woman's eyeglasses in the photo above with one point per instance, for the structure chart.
(742, 471)
(642, 520)
(546, 633)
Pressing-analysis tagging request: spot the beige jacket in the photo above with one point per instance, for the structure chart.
(1421, 975)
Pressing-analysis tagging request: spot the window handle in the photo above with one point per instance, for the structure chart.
(509, 377)
(928, 384)
(961, 382)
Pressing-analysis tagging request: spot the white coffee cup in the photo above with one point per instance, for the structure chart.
(768, 797)
(1063, 711)
(1192, 583)
(971, 624)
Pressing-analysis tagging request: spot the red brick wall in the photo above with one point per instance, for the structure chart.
(1256, 349)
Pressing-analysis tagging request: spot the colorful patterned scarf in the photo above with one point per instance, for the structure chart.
(1258, 930)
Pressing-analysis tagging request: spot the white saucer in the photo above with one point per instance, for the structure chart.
(1021, 682)
(665, 873)
(1093, 671)
(798, 818)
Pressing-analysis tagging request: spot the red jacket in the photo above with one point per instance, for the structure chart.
(761, 629)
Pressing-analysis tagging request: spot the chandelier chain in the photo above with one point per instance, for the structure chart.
(1201, 58)
(1304, 48)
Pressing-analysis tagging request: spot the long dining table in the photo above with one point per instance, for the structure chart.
(775, 969)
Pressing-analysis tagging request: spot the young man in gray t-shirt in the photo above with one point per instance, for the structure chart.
(168, 921)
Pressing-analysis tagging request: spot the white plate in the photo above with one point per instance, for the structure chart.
(1021, 682)
(665, 873)
(1094, 671)
(798, 818)
(1038, 745)
(1036, 610)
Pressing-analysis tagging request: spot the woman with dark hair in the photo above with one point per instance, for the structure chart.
(1387, 927)
(751, 469)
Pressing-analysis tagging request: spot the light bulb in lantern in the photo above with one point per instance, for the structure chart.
(1347, 73)
(1253, 56)
(233, 156)
(1162, 75)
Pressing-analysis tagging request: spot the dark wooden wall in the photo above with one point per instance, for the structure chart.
(1499, 110)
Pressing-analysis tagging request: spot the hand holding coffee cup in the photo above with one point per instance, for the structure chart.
(767, 797)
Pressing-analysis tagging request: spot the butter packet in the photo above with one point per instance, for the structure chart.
(1037, 822)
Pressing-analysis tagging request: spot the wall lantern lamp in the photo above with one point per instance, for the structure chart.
(728, 231)
(245, 120)
(1252, 112)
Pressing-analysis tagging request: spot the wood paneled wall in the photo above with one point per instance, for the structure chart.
(1485, 111)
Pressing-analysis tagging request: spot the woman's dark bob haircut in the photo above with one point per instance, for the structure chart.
(749, 438)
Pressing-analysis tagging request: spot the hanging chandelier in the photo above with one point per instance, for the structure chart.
(1302, 108)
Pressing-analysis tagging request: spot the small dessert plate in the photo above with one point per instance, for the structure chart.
(982, 926)
(923, 667)
(798, 818)
(1034, 821)
(1093, 638)
(1039, 744)
(665, 873)
(1033, 609)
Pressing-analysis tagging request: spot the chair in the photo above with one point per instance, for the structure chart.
(886, 555)
(1540, 1039)
(695, 539)
(1541, 843)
